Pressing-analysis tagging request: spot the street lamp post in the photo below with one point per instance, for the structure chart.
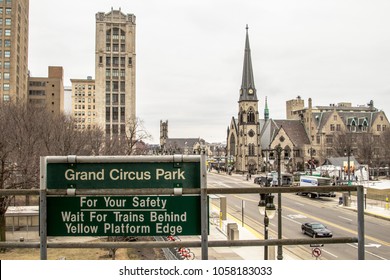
(279, 150)
(348, 153)
(267, 209)
(311, 160)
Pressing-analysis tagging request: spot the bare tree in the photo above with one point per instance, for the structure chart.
(136, 133)
(19, 152)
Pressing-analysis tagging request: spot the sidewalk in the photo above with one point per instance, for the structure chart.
(372, 209)
(236, 252)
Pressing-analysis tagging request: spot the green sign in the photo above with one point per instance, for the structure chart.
(123, 175)
(123, 216)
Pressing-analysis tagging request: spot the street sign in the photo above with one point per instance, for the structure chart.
(123, 216)
(116, 175)
(316, 252)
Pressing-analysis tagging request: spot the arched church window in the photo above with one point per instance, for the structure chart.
(251, 116)
(232, 145)
(251, 149)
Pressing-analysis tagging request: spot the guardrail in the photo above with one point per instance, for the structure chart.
(210, 243)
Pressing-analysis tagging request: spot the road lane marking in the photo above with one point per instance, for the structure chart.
(348, 219)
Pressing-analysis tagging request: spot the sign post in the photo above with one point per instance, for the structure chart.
(102, 214)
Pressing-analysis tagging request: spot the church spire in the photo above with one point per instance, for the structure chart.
(248, 89)
(266, 110)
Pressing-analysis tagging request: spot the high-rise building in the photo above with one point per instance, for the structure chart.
(115, 71)
(47, 92)
(83, 103)
(14, 23)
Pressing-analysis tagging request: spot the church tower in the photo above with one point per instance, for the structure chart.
(248, 128)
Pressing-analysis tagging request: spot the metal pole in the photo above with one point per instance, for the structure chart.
(43, 210)
(360, 209)
(242, 213)
(280, 247)
(266, 223)
(349, 167)
(204, 207)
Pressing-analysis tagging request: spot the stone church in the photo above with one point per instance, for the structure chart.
(243, 135)
(307, 138)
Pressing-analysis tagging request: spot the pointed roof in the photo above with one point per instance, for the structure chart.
(248, 89)
(266, 110)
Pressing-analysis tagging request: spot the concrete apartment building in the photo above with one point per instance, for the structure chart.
(14, 26)
(83, 103)
(47, 92)
(115, 71)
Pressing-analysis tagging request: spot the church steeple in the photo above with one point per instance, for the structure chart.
(248, 89)
(266, 110)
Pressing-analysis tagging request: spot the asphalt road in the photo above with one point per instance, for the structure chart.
(297, 210)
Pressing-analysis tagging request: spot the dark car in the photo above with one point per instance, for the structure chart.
(315, 229)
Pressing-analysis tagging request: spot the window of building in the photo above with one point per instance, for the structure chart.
(329, 139)
(6, 87)
(251, 149)
(115, 99)
(332, 127)
(7, 32)
(123, 114)
(8, 21)
(115, 86)
(115, 114)
(251, 116)
(378, 127)
(6, 76)
(108, 114)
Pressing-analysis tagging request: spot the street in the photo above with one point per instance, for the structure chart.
(299, 209)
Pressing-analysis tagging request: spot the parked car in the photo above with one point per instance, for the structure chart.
(315, 229)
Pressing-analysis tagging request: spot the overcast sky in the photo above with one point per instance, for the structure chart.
(190, 54)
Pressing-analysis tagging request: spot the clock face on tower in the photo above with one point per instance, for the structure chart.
(250, 91)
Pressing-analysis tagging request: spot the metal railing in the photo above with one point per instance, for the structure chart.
(204, 243)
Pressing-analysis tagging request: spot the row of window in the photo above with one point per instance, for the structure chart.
(7, 21)
(82, 126)
(115, 73)
(82, 93)
(115, 128)
(8, 11)
(115, 86)
(82, 100)
(114, 99)
(82, 113)
(5, 76)
(7, 54)
(83, 120)
(82, 87)
(113, 113)
(82, 107)
(7, 32)
(7, 64)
